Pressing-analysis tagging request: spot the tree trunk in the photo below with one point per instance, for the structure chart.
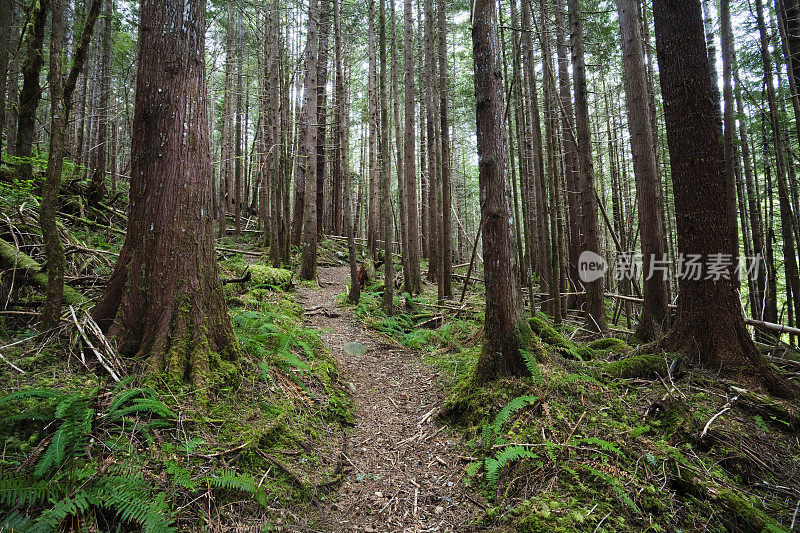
(306, 167)
(6, 25)
(11, 109)
(503, 327)
(387, 233)
(399, 141)
(595, 310)
(31, 92)
(373, 218)
(571, 165)
(709, 322)
(654, 307)
(164, 300)
(447, 200)
(97, 187)
(238, 170)
(344, 124)
(787, 222)
(414, 282)
(434, 250)
(53, 250)
(322, 109)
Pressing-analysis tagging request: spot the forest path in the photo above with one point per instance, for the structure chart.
(403, 471)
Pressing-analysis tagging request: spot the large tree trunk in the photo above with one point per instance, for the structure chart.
(709, 323)
(399, 142)
(447, 200)
(387, 233)
(322, 109)
(571, 166)
(430, 136)
(344, 155)
(238, 169)
(5, 38)
(31, 92)
(97, 187)
(373, 218)
(53, 250)
(11, 109)
(501, 350)
(306, 167)
(164, 299)
(654, 308)
(595, 310)
(414, 282)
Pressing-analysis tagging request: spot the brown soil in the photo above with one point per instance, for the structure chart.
(403, 471)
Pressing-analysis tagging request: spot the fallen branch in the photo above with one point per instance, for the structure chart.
(11, 257)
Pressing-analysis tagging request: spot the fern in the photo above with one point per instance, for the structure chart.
(50, 489)
(230, 480)
(509, 455)
(602, 444)
(533, 366)
(491, 431)
(615, 485)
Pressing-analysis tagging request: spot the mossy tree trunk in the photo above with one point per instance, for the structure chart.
(501, 350)
(53, 250)
(31, 92)
(709, 322)
(164, 301)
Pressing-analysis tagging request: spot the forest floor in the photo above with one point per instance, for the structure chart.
(405, 470)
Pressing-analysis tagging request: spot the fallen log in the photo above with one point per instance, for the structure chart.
(12, 258)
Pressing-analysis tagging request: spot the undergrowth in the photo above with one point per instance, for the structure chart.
(578, 448)
(81, 453)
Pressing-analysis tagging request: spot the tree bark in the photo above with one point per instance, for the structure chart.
(595, 310)
(654, 316)
(31, 92)
(97, 187)
(414, 282)
(164, 300)
(447, 199)
(306, 166)
(6, 25)
(571, 166)
(709, 323)
(387, 233)
(322, 109)
(53, 250)
(503, 339)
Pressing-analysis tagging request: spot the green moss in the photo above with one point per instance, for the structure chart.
(637, 366)
(610, 344)
(540, 325)
(267, 276)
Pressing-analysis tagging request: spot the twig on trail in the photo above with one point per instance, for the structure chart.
(224, 452)
(388, 503)
(571, 433)
(710, 420)
(416, 497)
(426, 417)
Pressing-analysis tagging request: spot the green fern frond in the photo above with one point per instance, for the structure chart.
(602, 444)
(533, 366)
(508, 455)
(504, 415)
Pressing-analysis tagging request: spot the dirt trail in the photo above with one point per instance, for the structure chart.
(403, 471)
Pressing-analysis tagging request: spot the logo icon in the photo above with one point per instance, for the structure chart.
(591, 266)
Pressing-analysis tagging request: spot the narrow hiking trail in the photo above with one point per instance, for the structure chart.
(403, 471)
